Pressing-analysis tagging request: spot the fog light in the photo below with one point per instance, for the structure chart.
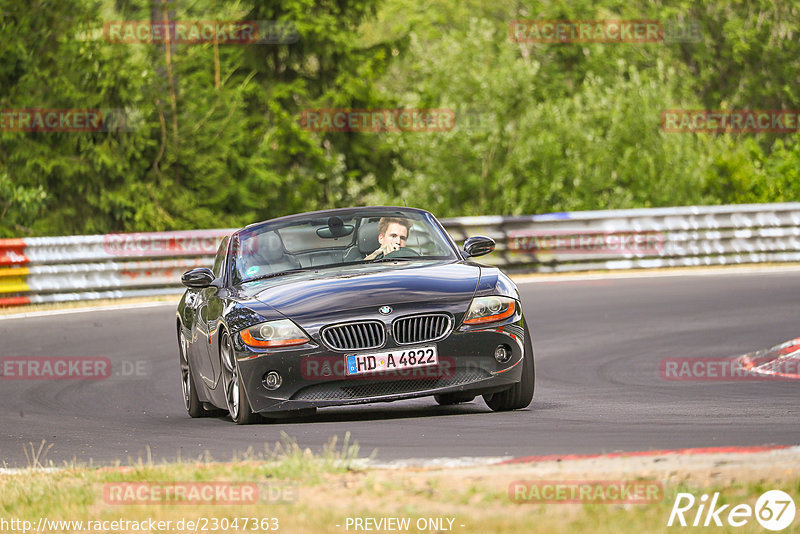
(272, 380)
(502, 353)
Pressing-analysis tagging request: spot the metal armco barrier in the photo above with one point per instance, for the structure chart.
(58, 269)
(54, 269)
(640, 238)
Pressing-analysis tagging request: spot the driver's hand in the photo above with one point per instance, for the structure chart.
(389, 247)
(384, 249)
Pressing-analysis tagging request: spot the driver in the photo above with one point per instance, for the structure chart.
(392, 235)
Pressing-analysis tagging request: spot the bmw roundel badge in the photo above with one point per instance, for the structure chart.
(385, 310)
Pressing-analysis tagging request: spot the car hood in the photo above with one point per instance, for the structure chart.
(357, 291)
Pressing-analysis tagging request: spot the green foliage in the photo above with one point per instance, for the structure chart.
(19, 203)
(216, 139)
(551, 127)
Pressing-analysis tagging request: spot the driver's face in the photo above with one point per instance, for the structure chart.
(396, 234)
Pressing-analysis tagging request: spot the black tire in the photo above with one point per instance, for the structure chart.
(238, 405)
(520, 394)
(448, 399)
(190, 400)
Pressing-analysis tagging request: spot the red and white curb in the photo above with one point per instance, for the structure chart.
(775, 361)
(469, 461)
(651, 453)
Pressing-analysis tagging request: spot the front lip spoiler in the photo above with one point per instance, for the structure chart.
(490, 384)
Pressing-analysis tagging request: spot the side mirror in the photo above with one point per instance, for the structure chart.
(478, 245)
(198, 278)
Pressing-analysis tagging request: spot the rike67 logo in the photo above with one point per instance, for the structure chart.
(774, 510)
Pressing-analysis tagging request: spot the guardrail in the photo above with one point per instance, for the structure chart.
(640, 238)
(59, 269)
(56, 269)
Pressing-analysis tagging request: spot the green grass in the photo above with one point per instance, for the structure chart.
(316, 492)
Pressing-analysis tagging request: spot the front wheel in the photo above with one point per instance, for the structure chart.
(520, 394)
(235, 397)
(190, 400)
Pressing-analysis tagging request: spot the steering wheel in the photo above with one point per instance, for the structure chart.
(404, 252)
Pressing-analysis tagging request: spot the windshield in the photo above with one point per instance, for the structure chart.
(340, 239)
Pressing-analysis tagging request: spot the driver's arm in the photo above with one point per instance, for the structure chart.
(383, 249)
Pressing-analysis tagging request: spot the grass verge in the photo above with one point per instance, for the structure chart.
(300, 492)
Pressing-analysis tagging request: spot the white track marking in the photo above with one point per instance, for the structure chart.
(48, 313)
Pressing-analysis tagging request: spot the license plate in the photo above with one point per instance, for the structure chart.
(358, 364)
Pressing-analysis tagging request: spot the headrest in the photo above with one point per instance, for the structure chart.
(368, 237)
(269, 246)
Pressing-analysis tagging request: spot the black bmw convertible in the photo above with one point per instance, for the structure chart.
(350, 306)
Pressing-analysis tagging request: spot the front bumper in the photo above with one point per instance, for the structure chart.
(315, 377)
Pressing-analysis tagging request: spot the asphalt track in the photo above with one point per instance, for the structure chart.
(598, 346)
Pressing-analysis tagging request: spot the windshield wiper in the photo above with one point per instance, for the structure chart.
(273, 275)
(403, 258)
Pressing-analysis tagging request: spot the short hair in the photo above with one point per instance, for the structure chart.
(384, 223)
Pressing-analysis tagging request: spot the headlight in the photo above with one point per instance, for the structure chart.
(283, 333)
(490, 310)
